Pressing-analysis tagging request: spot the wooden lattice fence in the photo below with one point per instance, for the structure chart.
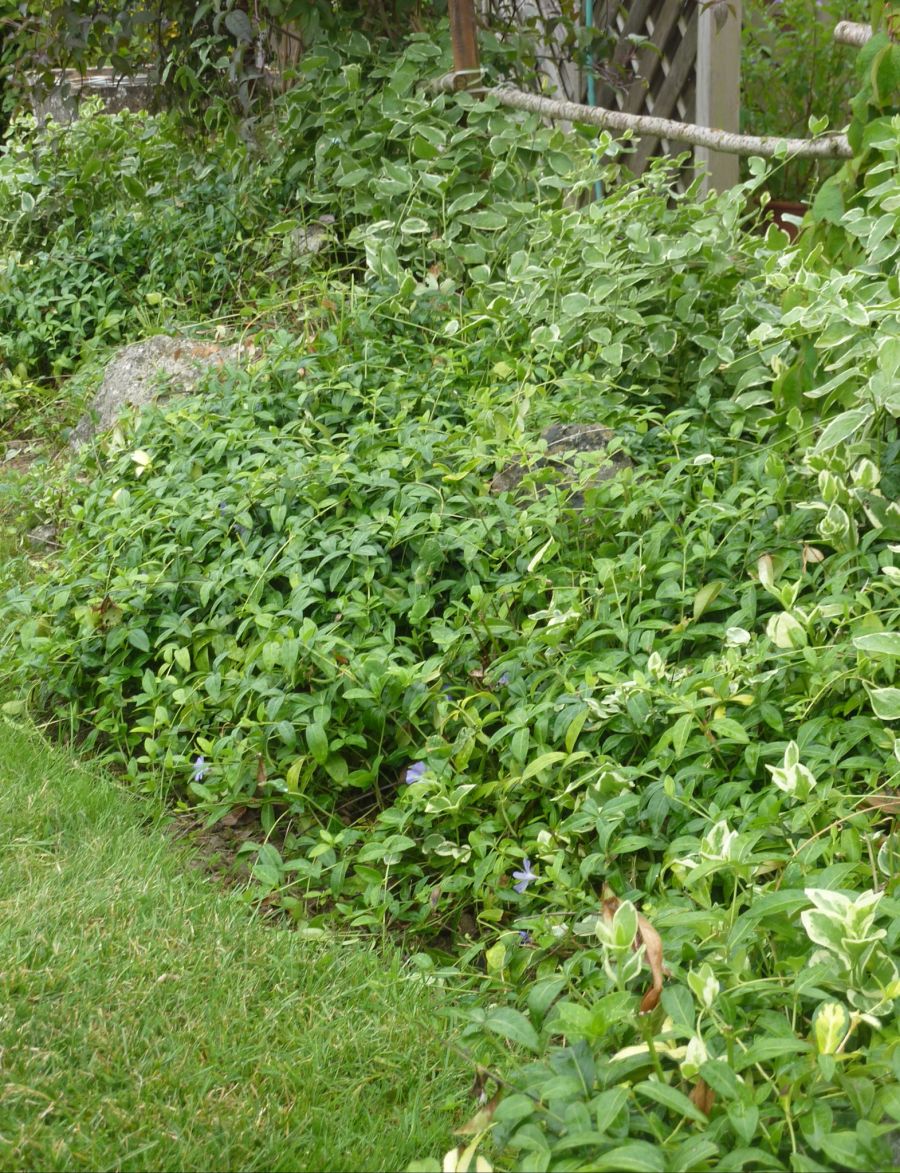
(659, 77)
(684, 65)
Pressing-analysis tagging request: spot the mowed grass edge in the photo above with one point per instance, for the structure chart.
(149, 1021)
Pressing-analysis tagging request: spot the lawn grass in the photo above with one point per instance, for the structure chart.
(149, 1021)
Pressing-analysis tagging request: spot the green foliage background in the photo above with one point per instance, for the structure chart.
(683, 693)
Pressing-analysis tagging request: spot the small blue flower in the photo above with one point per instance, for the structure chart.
(223, 508)
(524, 877)
(504, 679)
(199, 769)
(414, 773)
(524, 937)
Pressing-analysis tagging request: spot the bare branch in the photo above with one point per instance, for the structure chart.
(848, 32)
(829, 146)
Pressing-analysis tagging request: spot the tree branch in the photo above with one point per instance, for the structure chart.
(848, 32)
(829, 146)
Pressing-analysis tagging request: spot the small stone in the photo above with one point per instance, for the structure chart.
(43, 536)
(563, 442)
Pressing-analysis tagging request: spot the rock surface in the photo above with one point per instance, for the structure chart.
(564, 442)
(143, 372)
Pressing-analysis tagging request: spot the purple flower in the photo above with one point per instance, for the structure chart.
(199, 769)
(524, 877)
(414, 773)
(524, 937)
(504, 679)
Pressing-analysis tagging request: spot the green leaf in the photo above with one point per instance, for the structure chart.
(721, 1079)
(705, 596)
(844, 1149)
(513, 1025)
(886, 703)
(238, 24)
(744, 1118)
(636, 1157)
(542, 995)
(731, 730)
(671, 1098)
(574, 728)
(514, 1108)
(575, 304)
(545, 761)
(842, 427)
(134, 187)
(137, 637)
(679, 1005)
(317, 740)
(488, 221)
(680, 732)
(183, 658)
(881, 643)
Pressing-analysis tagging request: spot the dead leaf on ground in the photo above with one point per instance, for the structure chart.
(702, 1096)
(477, 1092)
(811, 554)
(234, 816)
(889, 803)
(653, 950)
(482, 1118)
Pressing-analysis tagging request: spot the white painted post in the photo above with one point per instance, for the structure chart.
(718, 92)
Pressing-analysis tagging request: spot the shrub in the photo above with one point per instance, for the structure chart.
(506, 723)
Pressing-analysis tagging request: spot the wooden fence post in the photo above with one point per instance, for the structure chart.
(465, 42)
(718, 92)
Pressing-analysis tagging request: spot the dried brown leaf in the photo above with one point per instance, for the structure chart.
(765, 568)
(653, 951)
(811, 554)
(702, 1096)
(889, 803)
(482, 1118)
(233, 817)
(477, 1092)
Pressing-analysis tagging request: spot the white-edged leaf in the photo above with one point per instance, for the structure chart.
(886, 703)
(882, 643)
(842, 427)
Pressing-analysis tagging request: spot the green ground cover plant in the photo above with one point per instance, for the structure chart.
(534, 731)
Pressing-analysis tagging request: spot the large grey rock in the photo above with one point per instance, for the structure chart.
(143, 372)
(563, 444)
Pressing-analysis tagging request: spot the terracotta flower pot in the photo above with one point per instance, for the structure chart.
(776, 210)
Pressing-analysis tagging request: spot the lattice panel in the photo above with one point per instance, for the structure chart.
(658, 77)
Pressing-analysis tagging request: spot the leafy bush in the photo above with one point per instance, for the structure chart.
(109, 224)
(507, 723)
(793, 70)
